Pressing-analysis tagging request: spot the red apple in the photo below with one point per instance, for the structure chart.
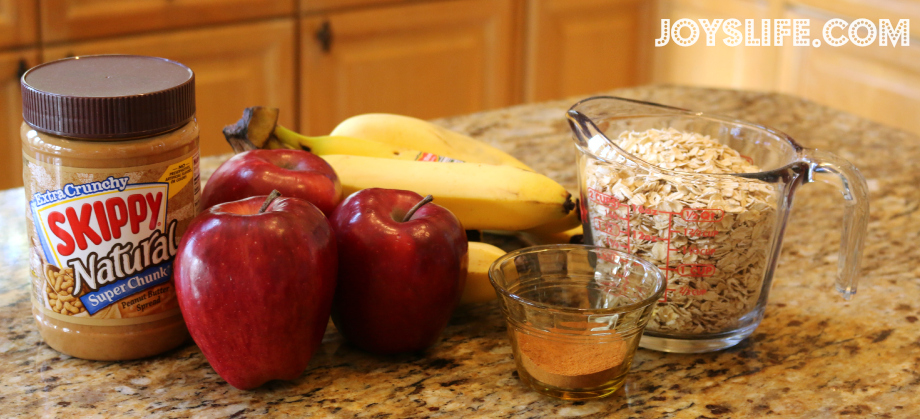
(294, 173)
(399, 281)
(255, 288)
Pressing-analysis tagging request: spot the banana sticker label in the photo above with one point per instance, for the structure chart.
(423, 156)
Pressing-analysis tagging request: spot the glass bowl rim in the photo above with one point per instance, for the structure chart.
(649, 267)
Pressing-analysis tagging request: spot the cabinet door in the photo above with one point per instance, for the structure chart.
(235, 67)
(426, 60)
(69, 20)
(12, 64)
(741, 67)
(850, 10)
(584, 46)
(876, 82)
(18, 23)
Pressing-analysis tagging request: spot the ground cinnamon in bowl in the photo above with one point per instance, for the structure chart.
(576, 362)
(575, 315)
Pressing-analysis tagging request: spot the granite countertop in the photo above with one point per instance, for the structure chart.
(814, 355)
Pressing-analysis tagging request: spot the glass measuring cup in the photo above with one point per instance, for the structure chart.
(717, 237)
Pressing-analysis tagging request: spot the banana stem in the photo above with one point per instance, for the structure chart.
(268, 200)
(412, 211)
(287, 137)
(295, 139)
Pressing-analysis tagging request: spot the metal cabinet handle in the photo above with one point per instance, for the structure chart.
(324, 36)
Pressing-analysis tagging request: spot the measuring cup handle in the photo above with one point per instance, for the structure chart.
(828, 168)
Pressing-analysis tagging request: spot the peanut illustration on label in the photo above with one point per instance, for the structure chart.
(59, 287)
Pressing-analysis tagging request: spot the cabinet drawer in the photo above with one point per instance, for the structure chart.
(67, 20)
(18, 23)
(426, 60)
(11, 65)
(235, 67)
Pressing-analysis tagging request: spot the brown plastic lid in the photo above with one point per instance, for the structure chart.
(108, 96)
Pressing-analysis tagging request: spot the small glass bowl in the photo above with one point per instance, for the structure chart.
(575, 315)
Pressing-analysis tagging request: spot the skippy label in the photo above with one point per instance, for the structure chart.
(78, 221)
(108, 244)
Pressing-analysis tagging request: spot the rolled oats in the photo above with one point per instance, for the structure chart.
(710, 234)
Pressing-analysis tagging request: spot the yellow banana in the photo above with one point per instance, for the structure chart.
(416, 134)
(337, 144)
(478, 288)
(482, 196)
(559, 237)
(557, 231)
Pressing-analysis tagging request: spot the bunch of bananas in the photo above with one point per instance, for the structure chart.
(486, 188)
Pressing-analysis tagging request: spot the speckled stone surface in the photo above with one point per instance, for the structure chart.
(814, 355)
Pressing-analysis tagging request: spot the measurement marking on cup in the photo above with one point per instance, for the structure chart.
(682, 291)
(648, 237)
(628, 228)
(606, 200)
(667, 260)
(702, 215)
(619, 212)
(610, 202)
(615, 245)
(695, 232)
(607, 226)
(696, 270)
(701, 251)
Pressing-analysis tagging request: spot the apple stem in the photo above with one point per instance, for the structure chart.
(268, 201)
(412, 211)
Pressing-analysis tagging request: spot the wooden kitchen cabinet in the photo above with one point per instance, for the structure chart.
(582, 46)
(740, 67)
(308, 6)
(322, 61)
(235, 66)
(11, 66)
(425, 59)
(876, 82)
(879, 83)
(872, 10)
(18, 23)
(68, 20)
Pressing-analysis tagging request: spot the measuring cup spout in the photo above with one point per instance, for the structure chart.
(583, 128)
(590, 119)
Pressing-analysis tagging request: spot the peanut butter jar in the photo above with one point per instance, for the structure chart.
(110, 167)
